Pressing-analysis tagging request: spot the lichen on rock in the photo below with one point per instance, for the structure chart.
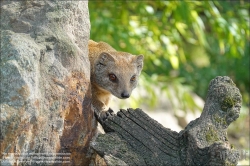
(45, 86)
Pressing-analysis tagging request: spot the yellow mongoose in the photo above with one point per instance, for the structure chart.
(112, 72)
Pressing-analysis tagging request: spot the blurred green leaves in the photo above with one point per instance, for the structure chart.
(185, 43)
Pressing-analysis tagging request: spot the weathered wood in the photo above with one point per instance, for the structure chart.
(133, 138)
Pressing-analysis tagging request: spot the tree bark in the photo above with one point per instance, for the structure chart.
(133, 138)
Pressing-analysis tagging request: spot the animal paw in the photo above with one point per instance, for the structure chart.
(105, 115)
(111, 112)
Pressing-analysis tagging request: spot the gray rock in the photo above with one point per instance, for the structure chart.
(45, 88)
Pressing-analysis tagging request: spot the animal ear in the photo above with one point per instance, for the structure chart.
(139, 62)
(105, 58)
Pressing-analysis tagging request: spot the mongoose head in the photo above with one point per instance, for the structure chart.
(118, 72)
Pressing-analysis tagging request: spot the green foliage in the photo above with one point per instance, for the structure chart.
(185, 43)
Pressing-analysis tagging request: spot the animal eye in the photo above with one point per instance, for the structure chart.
(133, 78)
(112, 77)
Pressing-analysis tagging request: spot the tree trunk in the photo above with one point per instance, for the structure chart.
(45, 83)
(133, 138)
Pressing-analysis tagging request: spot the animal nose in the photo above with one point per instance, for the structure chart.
(125, 95)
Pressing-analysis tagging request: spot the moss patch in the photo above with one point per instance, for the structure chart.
(211, 135)
(219, 120)
(228, 102)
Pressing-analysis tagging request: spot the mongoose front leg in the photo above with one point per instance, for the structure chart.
(100, 111)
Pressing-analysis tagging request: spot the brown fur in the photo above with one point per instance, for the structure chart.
(105, 60)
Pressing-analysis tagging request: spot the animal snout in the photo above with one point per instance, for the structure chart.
(125, 95)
